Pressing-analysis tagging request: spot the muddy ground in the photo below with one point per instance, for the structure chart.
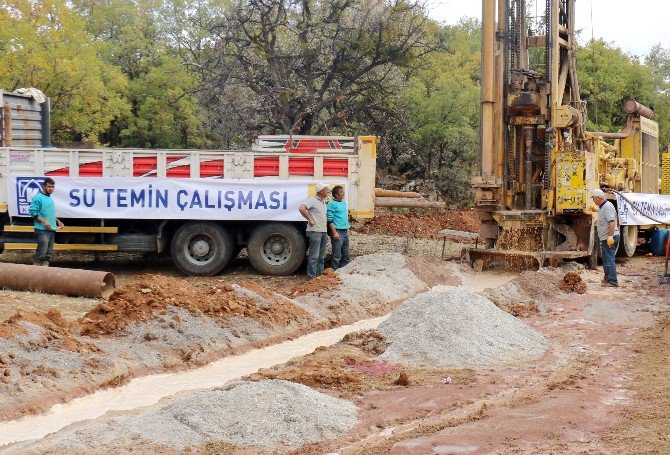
(601, 387)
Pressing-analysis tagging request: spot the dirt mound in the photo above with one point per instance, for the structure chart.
(350, 368)
(520, 295)
(432, 272)
(424, 224)
(56, 329)
(572, 282)
(457, 328)
(326, 282)
(152, 294)
(369, 341)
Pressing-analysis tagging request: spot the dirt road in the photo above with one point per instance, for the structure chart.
(600, 387)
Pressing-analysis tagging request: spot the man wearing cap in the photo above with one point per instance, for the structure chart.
(314, 211)
(608, 234)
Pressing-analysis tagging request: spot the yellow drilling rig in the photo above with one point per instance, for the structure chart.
(538, 163)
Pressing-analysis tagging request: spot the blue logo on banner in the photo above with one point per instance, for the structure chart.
(26, 189)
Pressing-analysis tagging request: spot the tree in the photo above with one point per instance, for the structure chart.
(45, 45)
(441, 108)
(301, 67)
(608, 77)
(142, 38)
(659, 62)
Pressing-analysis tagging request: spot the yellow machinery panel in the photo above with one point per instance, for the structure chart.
(571, 180)
(665, 174)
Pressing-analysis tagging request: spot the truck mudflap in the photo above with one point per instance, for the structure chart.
(481, 259)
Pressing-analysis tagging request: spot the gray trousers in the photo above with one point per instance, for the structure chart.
(45, 244)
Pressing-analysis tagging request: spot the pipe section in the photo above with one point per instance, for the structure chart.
(635, 108)
(487, 99)
(381, 192)
(408, 203)
(57, 280)
(622, 135)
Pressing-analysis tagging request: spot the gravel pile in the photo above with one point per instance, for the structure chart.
(458, 328)
(267, 414)
(383, 274)
(369, 285)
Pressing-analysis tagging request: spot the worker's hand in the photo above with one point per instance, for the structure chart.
(47, 225)
(60, 223)
(311, 222)
(336, 236)
(610, 241)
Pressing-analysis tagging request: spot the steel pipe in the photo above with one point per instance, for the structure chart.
(56, 280)
(487, 92)
(622, 135)
(633, 107)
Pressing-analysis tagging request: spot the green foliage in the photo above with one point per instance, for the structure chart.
(608, 77)
(441, 102)
(138, 38)
(44, 44)
(659, 62)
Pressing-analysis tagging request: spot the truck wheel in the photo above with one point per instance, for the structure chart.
(201, 248)
(628, 240)
(276, 249)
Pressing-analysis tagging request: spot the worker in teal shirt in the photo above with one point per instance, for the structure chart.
(338, 227)
(43, 212)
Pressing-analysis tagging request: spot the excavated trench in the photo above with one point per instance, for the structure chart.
(148, 390)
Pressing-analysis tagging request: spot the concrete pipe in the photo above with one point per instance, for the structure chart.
(56, 280)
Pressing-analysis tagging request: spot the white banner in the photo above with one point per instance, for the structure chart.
(655, 205)
(158, 199)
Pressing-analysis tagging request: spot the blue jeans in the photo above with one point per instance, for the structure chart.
(609, 265)
(45, 244)
(340, 250)
(318, 241)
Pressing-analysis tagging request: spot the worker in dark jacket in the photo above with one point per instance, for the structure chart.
(43, 211)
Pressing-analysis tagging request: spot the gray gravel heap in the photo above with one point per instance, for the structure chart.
(458, 328)
(263, 414)
(381, 276)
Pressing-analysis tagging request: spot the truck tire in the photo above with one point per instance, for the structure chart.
(144, 243)
(201, 248)
(276, 249)
(628, 240)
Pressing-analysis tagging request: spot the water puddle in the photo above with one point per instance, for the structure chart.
(149, 390)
